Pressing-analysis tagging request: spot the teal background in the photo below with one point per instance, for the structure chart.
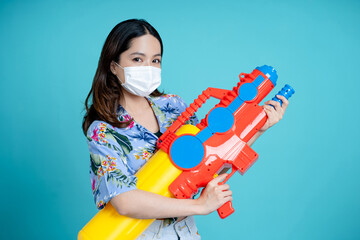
(306, 182)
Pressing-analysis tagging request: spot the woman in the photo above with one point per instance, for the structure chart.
(123, 123)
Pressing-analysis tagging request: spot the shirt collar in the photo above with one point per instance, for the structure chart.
(123, 115)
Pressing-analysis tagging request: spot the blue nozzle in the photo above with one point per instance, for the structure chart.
(270, 72)
(287, 91)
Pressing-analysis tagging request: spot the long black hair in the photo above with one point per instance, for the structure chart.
(106, 90)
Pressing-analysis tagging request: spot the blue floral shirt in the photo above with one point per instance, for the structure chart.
(116, 154)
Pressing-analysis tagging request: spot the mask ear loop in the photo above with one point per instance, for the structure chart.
(118, 65)
(117, 76)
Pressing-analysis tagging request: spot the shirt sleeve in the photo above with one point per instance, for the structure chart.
(182, 106)
(109, 173)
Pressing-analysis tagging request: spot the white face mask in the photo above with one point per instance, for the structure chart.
(141, 81)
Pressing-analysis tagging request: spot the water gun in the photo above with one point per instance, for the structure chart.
(188, 157)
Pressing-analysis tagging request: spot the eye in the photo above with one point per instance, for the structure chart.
(156, 61)
(137, 59)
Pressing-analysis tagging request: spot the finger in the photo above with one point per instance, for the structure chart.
(227, 199)
(275, 104)
(284, 100)
(269, 109)
(219, 178)
(278, 112)
(224, 187)
(271, 114)
(227, 193)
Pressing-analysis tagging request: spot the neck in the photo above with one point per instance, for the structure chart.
(133, 103)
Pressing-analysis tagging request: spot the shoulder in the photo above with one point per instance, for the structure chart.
(102, 126)
(171, 99)
(102, 135)
(172, 103)
(103, 132)
(97, 127)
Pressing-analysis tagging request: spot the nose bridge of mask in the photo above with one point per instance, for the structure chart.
(134, 67)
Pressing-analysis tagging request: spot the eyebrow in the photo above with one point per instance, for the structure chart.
(143, 54)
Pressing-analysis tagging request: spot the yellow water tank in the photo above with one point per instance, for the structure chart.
(155, 176)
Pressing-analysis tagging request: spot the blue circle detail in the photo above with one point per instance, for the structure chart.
(220, 120)
(247, 91)
(187, 151)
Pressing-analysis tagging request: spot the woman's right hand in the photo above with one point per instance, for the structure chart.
(214, 195)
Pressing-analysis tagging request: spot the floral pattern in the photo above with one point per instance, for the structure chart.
(117, 153)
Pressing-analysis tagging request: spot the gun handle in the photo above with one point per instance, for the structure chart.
(226, 210)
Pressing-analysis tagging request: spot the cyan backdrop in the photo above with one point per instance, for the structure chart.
(306, 183)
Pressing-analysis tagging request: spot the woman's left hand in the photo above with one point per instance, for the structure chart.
(274, 114)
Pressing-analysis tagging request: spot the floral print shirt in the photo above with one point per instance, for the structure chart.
(116, 154)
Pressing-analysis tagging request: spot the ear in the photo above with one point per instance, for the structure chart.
(113, 67)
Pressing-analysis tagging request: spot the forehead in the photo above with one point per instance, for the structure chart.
(147, 44)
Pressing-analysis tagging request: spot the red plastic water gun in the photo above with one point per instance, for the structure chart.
(224, 133)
